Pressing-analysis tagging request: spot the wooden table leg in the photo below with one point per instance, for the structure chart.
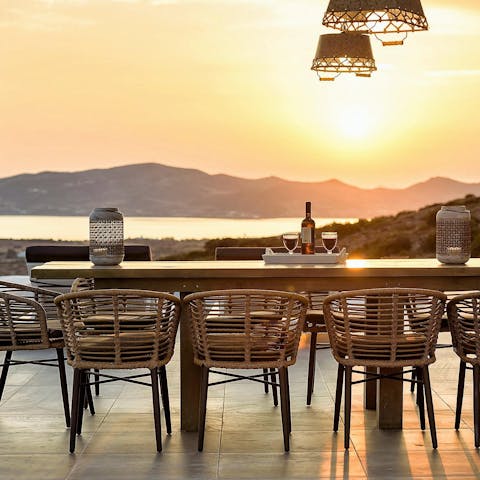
(390, 400)
(370, 391)
(189, 378)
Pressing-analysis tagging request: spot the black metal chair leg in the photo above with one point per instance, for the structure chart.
(284, 407)
(63, 385)
(289, 410)
(476, 403)
(429, 400)
(265, 379)
(311, 366)
(338, 396)
(348, 404)
(97, 379)
(162, 372)
(83, 381)
(460, 388)
(202, 407)
(76, 406)
(414, 377)
(420, 397)
(156, 408)
(88, 394)
(273, 378)
(6, 365)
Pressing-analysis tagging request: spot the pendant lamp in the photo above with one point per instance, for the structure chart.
(376, 16)
(344, 52)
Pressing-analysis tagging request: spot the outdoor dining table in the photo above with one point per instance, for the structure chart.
(192, 276)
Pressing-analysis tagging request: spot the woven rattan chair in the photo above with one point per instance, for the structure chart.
(464, 320)
(118, 329)
(88, 284)
(246, 329)
(384, 328)
(314, 321)
(28, 321)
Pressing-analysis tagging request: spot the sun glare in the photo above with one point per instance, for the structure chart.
(354, 122)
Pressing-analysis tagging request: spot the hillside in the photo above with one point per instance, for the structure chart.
(406, 234)
(158, 190)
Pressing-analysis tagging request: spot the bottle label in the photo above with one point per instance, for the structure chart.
(306, 235)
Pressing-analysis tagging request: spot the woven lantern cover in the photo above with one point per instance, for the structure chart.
(375, 16)
(344, 53)
(106, 236)
(453, 234)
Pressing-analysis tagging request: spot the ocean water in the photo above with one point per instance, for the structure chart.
(180, 228)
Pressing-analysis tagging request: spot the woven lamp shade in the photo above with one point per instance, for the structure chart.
(343, 53)
(376, 16)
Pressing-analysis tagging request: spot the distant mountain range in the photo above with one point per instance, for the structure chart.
(162, 191)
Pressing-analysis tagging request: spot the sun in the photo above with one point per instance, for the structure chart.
(354, 122)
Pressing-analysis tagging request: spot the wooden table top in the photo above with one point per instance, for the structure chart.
(256, 269)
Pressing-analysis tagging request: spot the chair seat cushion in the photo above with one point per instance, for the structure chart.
(27, 334)
(132, 320)
(371, 347)
(132, 346)
(469, 341)
(236, 347)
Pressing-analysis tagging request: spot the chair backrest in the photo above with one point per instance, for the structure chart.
(82, 284)
(464, 322)
(36, 255)
(41, 295)
(118, 328)
(245, 328)
(76, 253)
(23, 324)
(315, 299)
(384, 327)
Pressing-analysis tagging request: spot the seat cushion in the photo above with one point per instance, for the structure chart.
(133, 347)
(379, 347)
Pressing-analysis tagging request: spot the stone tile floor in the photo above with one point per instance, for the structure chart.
(243, 439)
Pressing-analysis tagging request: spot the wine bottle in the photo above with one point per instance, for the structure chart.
(308, 231)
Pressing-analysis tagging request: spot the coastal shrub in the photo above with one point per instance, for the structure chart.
(403, 213)
(428, 244)
(430, 218)
(393, 246)
(193, 255)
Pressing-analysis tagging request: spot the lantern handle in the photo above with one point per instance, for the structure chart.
(389, 43)
(327, 79)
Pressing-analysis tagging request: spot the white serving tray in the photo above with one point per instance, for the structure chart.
(270, 257)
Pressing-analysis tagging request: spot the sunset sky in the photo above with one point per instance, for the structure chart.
(225, 86)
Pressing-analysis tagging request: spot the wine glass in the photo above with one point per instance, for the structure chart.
(290, 241)
(329, 240)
